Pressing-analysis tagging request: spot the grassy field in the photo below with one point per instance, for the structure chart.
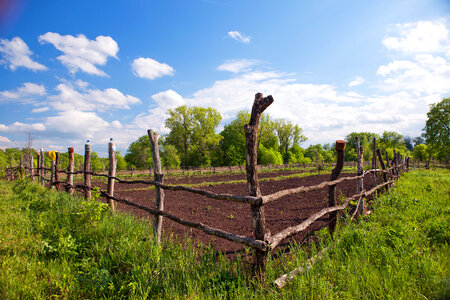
(56, 246)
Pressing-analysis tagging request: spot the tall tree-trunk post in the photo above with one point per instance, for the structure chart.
(41, 166)
(111, 172)
(57, 184)
(340, 147)
(360, 186)
(159, 177)
(87, 170)
(251, 138)
(70, 168)
(31, 167)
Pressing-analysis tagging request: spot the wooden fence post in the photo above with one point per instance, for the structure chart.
(20, 167)
(159, 177)
(41, 166)
(31, 167)
(70, 168)
(374, 159)
(258, 217)
(111, 172)
(52, 174)
(38, 164)
(340, 147)
(87, 170)
(57, 184)
(359, 185)
(383, 167)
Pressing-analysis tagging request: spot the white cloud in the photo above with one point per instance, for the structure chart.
(419, 37)
(90, 99)
(155, 118)
(238, 36)
(16, 54)
(80, 53)
(23, 93)
(21, 127)
(4, 139)
(76, 122)
(150, 68)
(356, 81)
(39, 110)
(238, 65)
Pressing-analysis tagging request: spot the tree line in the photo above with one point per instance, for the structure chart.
(193, 141)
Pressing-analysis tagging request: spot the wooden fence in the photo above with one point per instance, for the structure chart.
(261, 241)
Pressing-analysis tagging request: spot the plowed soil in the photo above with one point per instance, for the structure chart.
(232, 216)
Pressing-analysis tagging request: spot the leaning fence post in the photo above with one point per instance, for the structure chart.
(340, 147)
(87, 170)
(57, 184)
(70, 171)
(159, 177)
(251, 137)
(31, 167)
(359, 185)
(41, 166)
(111, 172)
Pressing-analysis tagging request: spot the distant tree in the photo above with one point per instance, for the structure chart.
(408, 143)
(139, 154)
(192, 133)
(437, 129)
(392, 139)
(232, 145)
(289, 134)
(420, 152)
(365, 140)
(418, 140)
(169, 156)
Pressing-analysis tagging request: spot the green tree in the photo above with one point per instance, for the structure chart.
(192, 133)
(289, 134)
(169, 156)
(139, 154)
(365, 140)
(420, 152)
(232, 145)
(436, 131)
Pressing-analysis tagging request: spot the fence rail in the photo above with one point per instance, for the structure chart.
(262, 242)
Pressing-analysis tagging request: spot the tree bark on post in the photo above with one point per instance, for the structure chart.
(21, 167)
(52, 174)
(57, 184)
(70, 168)
(340, 147)
(251, 138)
(31, 167)
(41, 166)
(383, 167)
(359, 185)
(111, 173)
(87, 170)
(159, 177)
(38, 164)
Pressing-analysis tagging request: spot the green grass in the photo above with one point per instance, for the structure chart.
(56, 246)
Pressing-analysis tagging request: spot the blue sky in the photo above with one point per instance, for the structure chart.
(77, 70)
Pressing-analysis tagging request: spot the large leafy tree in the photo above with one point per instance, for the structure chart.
(437, 131)
(139, 154)
(289, 134)
(192, 133)
(232, 145)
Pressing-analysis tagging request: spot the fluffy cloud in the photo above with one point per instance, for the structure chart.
(24, 93)
(21, 127)
(15, 53)
(4, 139)
(155, 117)
(76, 122)
(69, 98)
(238, 65)
(150, 68)
(39, 110)
(419, 37)
(356, 81)
(238, 36)
(80, 53)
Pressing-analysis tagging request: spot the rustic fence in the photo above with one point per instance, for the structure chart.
(261, 241)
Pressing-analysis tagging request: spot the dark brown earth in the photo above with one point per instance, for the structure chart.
(232, 216)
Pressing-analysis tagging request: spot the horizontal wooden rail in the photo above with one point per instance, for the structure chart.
(275, 240)
(248, 241)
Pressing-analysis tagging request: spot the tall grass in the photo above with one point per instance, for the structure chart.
(55, 245)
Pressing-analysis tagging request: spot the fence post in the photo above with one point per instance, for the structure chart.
(111, 172)
(38, 170)
(70, 170)
(31, 167)
(394, 164)
(87, 170)
(41, 166)
(258, 217)
(340, 147)
(52, 174)
(159, 177)
(57, 184)
(20, 167)
(360, 186)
